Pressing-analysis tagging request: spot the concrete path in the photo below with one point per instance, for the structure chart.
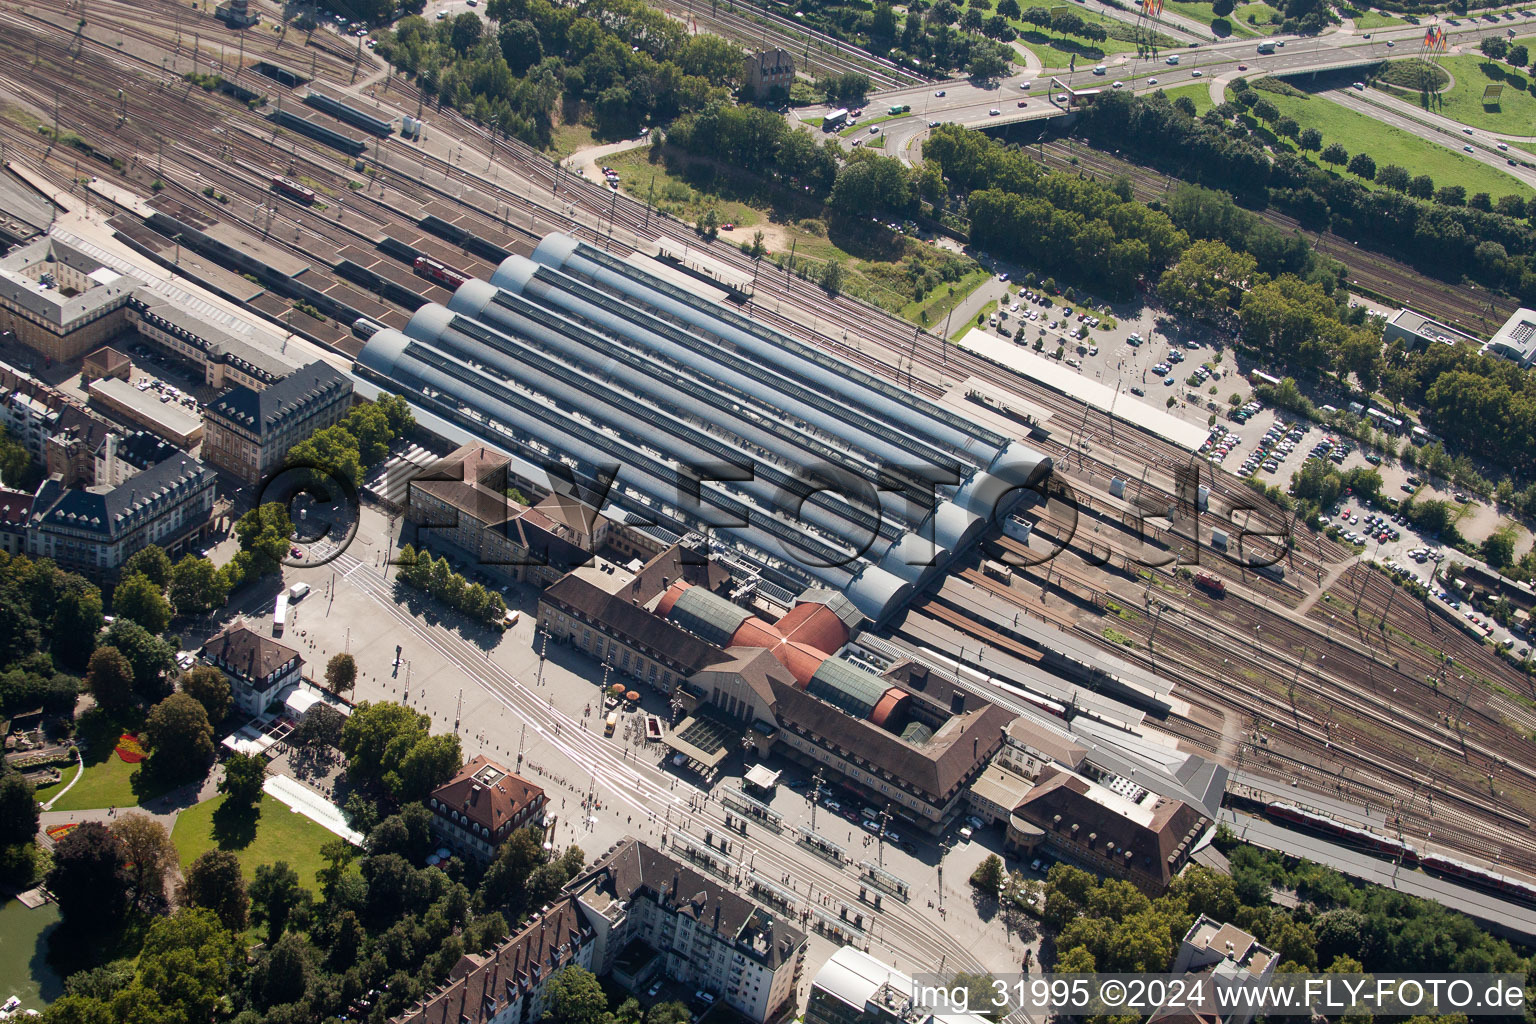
(587, 162)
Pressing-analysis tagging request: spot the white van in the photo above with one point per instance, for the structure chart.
(1101, 69)
(298, 591)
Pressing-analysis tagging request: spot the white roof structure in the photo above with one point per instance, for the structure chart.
(854, 977)
(763, 777)
(1063, 379)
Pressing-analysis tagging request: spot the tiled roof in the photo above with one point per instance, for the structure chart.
(632, 624)
(247, 653)
(487, 794)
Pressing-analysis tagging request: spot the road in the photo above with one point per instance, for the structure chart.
(975, 105)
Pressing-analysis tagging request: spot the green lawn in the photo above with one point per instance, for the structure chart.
(942, 299)
(1368, 21)
(1236, 25)
(1387, 145)
(876, 264)
(1200, 92)
(108, 780)
(566, 139)
(1515, 113)
(271, 833)
(1056, 50)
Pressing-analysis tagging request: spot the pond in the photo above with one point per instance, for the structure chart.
(24, 970)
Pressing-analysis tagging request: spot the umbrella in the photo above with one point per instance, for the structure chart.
(433, 861)
(632, 695)
(616, 689)
(443, 853)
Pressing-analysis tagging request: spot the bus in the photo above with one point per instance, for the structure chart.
(1266, 47)
(612, 723)
(280, 614)
(835, 120)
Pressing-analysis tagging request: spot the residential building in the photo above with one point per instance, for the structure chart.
(1417, 331)
(1229, 956)
(655, 917)
(222, 354)
(93, 530)
(247, 433)
(767, 70)
(507, 985)
(1110, 825)
(61, 301)
(258, 667)
(15, 510)
(475, 811)
(1516, 340)
(853, 987)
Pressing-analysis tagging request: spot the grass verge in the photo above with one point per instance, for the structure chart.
(268, 833)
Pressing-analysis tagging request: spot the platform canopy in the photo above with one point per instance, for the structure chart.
(692, 736)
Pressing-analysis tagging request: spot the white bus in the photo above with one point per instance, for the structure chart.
(280, 614)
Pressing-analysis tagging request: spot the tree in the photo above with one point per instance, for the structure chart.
(152, 562)
(430, 763)
(214, 881)
(139, 599)
(831, 277)
(274, 892)
(1008, 8)
(184, 971)
(338, 855)
(179, 738)
(18, 809)
(341, 673)
(1311, 139)
(88, 879)
(266, 533)
(1222, 8)
(1393, 176)
(243, 776)
(1335, 153)
(1451, 195)
(208, 686)
(110, 678)
(466, 31)
(989, 61)
(150, 657)
(988, 876)
(1421, 187)
(1287, 127)
(197, 585)
(1494, 46)
(408, 833)
(670, 1011)
(379, 734)
(1499, 548)
(149, 857)
(1207, 281)
(1363, 165)
(1519, 56)
(575, 997)
(76, 623)
(980, 994)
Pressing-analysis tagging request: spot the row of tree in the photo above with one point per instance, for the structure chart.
(436, 577)
(1440, 231)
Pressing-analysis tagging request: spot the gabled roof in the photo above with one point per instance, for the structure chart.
(632, 624)
(248, 654)
(262, 411)
(487, 794)
(480, 983)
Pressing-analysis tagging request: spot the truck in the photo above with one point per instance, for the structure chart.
(1266, 47)
(901, 108)
(834, 120)
(611, 724)
(280, 614)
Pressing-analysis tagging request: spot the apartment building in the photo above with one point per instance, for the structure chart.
(694, 930)
(258, 667)
(475, 811)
